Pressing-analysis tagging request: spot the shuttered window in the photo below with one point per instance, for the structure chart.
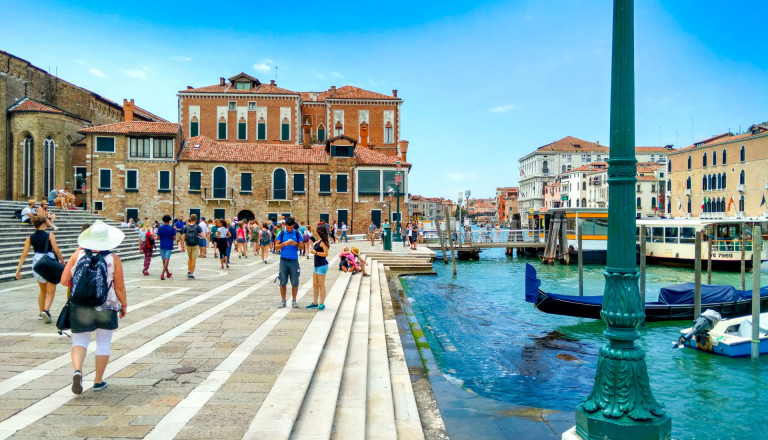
(325, 184)
(194, 129)
(164, 181)
(245, 183)
(298, 184)
(286, 132)
(105, 180)
(341, 183)
(262, 131)
(132, 180)
(222, 130)
(194, 181)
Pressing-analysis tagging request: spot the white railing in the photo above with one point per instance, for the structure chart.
(740, 188)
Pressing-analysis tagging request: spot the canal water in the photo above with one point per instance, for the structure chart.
(487, 339)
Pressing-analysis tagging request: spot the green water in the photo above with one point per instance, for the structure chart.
(486, 338)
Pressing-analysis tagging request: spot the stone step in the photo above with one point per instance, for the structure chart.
(349, 418)
(407, 419)
(315, 418)
(380, 413)
(279, 410)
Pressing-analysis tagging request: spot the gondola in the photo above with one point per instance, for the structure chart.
(674, 302)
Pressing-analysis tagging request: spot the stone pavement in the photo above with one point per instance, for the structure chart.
(254, 362)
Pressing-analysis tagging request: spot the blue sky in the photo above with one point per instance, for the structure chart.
(484, 83)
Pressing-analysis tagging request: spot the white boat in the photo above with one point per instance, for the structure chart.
(731, 337)
(594, 231)
(671, 242)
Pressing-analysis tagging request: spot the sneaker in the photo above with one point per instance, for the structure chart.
(312, 306)
(265, 261)
(162, 277)
(46, 316)
(170, 274)
(145, 272)
(55, 227)
(190, 276)
(227, 265)
(321, 307)
(77, 382)
(239, 256)
(282, 305)
(294, 304)
(99, 386)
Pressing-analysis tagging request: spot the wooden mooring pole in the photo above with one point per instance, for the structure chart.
(756, 246)
(642, 263)
(442, 241)
(697, 277)
(709, 256)
(581, 259)
(450, 241)
(743, 255)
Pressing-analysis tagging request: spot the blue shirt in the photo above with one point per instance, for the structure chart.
(166, 233)
(290, 252)
(179, 226)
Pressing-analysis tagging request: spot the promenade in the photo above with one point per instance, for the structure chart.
(256, 366)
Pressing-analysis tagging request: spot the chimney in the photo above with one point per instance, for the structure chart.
(222, 81)
(364, 134)
(403, 147)
(190, 87)
(394, 93)
(307, 138)
(332, 91)
(272, 83)
(128, 110)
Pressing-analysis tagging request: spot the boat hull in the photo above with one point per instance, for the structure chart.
(724, 265)
(742, 347)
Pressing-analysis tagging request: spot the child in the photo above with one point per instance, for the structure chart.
(347, 262)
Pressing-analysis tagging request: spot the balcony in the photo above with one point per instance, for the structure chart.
(740, 188)
(218, 195)
(688, 192)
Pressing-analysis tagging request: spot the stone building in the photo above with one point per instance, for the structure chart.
(40, 115)
(723, 176)
(505, 197)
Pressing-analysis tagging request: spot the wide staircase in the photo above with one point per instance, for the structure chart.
(355, 385)
(13, 233)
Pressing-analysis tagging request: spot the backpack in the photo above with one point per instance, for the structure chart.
(149, 239)
(17, 214)
(191, 235)
(89, 283)
(295, 231)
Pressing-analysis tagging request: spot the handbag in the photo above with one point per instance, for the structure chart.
(48, 267)
(63, 323)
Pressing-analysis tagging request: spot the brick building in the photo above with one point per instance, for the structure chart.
(40, 115)
(506, 197)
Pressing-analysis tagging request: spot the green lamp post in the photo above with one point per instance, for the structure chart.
(398, 179)
(621, 404)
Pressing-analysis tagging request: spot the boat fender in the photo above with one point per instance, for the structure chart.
(704, 342)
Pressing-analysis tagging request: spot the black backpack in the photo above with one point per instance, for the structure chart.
(191, 236)
(89, 283)
(17, 214)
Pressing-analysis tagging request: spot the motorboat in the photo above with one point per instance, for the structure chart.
(729, 337)
(674, 302)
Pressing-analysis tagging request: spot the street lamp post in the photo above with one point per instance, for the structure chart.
(621, 404)
(398, 179)
(458, 227)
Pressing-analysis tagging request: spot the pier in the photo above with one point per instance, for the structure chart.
(469, 244)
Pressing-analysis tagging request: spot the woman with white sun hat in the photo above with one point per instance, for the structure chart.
(102, 319)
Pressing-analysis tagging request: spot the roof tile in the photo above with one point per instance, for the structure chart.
(28, 105)
(203, 149)
(134, 127)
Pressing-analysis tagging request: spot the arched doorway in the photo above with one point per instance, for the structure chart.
(246, 215)
(220, 183)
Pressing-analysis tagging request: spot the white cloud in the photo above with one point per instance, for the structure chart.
(97, 72)
(181, 58)
(504, 108)
(137, 73)
(461, 176)
(262, 67)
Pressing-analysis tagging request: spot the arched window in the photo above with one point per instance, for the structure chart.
(653, 203)
(583, 203)
(742, 154)
(724, 186)
(714, 158)
(321, 133)
(742, 177)
(689, 162)
(583, 186)
(669, 166)
(563, 169)
(722, 205)
(709, 205)
(639, 203)
(669, 185)
(688, 183)
(719, 182)
(704, 160)
(669, 207)
(577, 203)
(28, 180)
(570, 168)
(725, 157)
(704, 183)
(338, 129)
(219, 183)
(545, 167)
(279, 184)
(741, 203)
(49, 165)
(689, 205)
(709, 182)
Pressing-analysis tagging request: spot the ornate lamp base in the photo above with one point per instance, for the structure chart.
(596, 427)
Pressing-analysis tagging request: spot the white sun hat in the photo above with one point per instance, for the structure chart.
(100, 237)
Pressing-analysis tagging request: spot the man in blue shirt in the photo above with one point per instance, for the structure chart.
(179, 227)
(288, 243)
(166, 234)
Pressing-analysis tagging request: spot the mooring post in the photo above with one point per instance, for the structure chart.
(442, 242)
(581, 260)
(756, 245)
(744, 229)
(564, 239)
(642, 264)
(450, 241)
(709, 256)
(697, 277)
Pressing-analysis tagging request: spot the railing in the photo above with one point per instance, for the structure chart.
(712, 215)
(480, 237)
(218, 194)
(731, 245)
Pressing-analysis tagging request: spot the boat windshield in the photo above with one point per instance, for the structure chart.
(670, 235)
(687, 235)
(658, 235)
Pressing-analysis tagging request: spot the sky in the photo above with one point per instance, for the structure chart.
(483, 82)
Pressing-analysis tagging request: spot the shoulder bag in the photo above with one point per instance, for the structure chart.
(48, 267)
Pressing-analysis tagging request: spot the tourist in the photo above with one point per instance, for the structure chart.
(192, 235)
(302, 228)
(344, 232)
(414, 236)
(55, 198)
(131, 224)
(203, 242)
(231, 238)
(241, 245)
(320, 250)
(384, 227)
(307, 237)
(166, 234)
(28, 212)
(361, 263)
(214, 238)
(347, 261)
(42, 211)
(146, 245)
(288, 243)
(222, 242)
(43, 243)
(255, 237)
(179, 228)
(101, 319)
(123, 223)
(332, 232)
(69, 199)
(371, 232)
(265, 239)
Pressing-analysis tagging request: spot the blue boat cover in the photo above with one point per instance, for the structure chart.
(531, 284)
(710, 293)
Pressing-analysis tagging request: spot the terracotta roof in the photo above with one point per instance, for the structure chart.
(366, 156)
(246, 76)
(346, 92)
(594, 166)
(653, 150)
(80, 142)
(646, 178)
(262, 89)
(568, 143)
(134, 127)
(719, 139)
(28, 105)
(203, 149)
(147, 115)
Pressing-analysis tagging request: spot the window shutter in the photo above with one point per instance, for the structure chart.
(245, 182)
(194, 180)
(262, 131)
(131, 179)
(286, 135)
(298, 183)
(194, 129)
(222, 130)
(341, 183)
(325, 183)
(241, 131)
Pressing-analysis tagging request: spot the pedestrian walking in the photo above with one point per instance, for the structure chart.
(288, 243)
(372, 232)
(344, 232)
(265, 239)
(255, 237)
(222, 241)
(179, 227)
(231, 238)
(241, 245)
(146, 245)
(192, 235)
(215, 238)
(307, 237)
(332, 232)
(95, 260)
(203, 242)
(43, 243)
(320, 250)
(166, 234)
